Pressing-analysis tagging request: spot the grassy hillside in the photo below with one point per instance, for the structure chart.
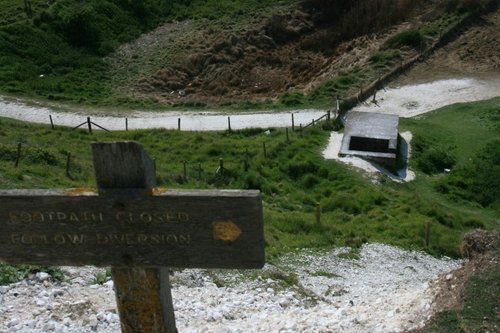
(293, 177)
(54, 49)
(237, 53)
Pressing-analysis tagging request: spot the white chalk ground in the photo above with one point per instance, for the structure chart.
(413, 100)
(406, 101)
(386, 290)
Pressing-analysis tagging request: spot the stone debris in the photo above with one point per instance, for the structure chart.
(386, 290)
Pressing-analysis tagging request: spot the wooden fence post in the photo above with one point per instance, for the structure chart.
(126, 124)
(293, 123)
(143, 295)
(229, 123)
(221, 166)
(427, 233)
(246, 164)
(68, 161)
(51, 122)
(89, 124)
(318, 213)
(179, 124)
(18, 155)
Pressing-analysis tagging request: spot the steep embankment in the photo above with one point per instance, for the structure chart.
(287, 53)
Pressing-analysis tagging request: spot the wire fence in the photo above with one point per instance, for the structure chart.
(19, 152)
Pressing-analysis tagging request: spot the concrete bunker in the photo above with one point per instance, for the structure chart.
(372, 136)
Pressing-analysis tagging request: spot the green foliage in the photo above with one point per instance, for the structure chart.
(102, 276)
(411, 37)
(434, 160)
(292, 178)
(385, 58)
(479, 178)
(12, 274)
(292, 99)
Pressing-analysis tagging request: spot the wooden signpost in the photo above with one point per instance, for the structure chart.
(135, 228)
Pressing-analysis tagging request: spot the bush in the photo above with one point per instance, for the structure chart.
(412, 38)
(41, 156)
(298, 169)
(292, 99)
(479, 179)
(7, 153)
(435, 160)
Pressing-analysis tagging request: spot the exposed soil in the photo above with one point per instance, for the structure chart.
(250, 60)
(474, 52)
(260, 58)
(481, 249)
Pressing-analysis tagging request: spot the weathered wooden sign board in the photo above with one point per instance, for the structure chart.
(135, 228)
(172, 228)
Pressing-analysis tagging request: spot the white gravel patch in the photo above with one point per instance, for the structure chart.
(406, 101)
(190, 121)
(386, 290)
(412, 100)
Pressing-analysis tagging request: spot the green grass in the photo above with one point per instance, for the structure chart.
(465, 135)
(60, 52)
(293, 178)
(57, 53)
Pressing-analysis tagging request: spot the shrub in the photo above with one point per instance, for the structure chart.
(435, 160)
(292, 99)
(411, 37)
(41, 156)
(479, 179)
(7, 153)
(297, 169)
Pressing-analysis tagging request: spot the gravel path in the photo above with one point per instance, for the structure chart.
(406, 101)
(386, 290)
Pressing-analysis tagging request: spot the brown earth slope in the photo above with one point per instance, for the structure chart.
(293, 48)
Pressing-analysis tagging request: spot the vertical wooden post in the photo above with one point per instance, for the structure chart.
(18, 155)
(265, 150)
(328, 115)
(314, 122)
(89, 123)
(318, 213)
(246, 164)
(427, 233)
(126, 124)
(68, 161)
(179, 124)
(143, 295)
(374, 96)
(221, 166)
(293, 123)
(229, 124)
(51, 122)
